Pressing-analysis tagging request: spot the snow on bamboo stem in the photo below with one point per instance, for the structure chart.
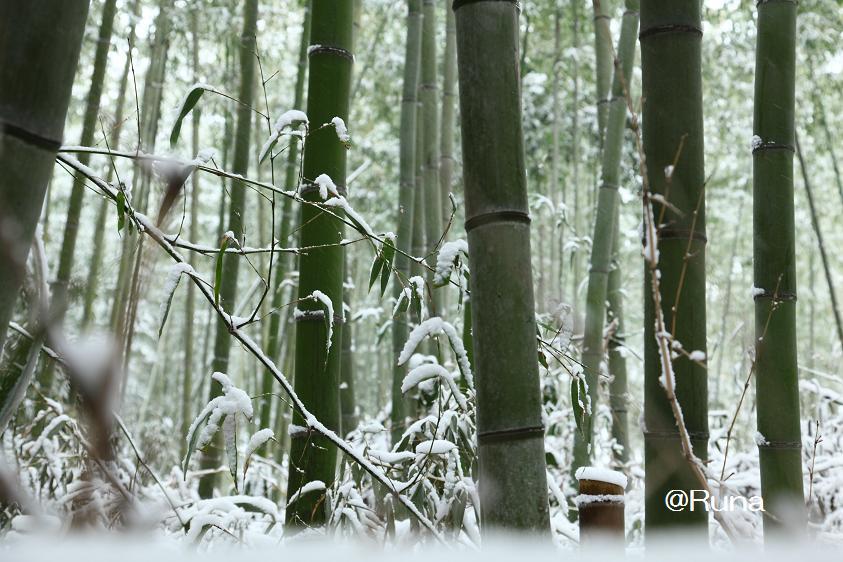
(448, 259)
(293, 119)
(433, 327)
(430, 371)
(411, 296)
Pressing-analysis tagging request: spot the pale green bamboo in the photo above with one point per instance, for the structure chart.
(430, 149)
(90, 125)
(406, 207)
(236, 211)
(605, 225)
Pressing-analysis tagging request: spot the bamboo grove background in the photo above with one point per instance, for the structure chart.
(256, 52)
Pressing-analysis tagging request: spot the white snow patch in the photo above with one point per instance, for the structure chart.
(435, 447)
(601, 475)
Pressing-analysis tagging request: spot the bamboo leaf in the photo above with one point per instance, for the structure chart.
(543, 359)
(168, 303)
(192, 438)
(388, 254)
(578, 396)
(218, 270)
(190, 102)
(121, 210)
(401, 306)
(377, 266)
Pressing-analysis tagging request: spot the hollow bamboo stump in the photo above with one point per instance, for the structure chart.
(601, 506)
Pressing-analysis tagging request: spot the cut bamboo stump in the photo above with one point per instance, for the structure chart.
(601, 506)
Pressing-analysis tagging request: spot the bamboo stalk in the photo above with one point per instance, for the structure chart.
(815, 222)
(237, 208)
(670, 40)
(318, 366)
(430, 147)
(284, 263)
(98, 241)
(513, 493)
(190, 299)
(605, 227)
(58, 304)
(37, 78)
(406, 204)
(449, 97)
(603, 62)
(777, 409)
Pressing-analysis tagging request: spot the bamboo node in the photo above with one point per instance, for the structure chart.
(29, 137)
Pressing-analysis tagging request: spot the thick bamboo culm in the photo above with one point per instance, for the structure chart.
(510, 434)
(774, 253)
(671, 76)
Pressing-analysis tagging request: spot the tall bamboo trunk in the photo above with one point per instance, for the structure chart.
(774, 259)
(317, 365)
(618, 387)
(720, 345)
(98, 238)
(36, 78)
(603, 60)
(670, 38)
(446, 141)
(128, 277)
(236, 211)
(430, 148)
(575, 162)
(348, 399)
(815, 222)
(605, 226)
(284, 263)
(407, 165)
(190, 300)
(89, 127)
(509, 422)
(820, 117)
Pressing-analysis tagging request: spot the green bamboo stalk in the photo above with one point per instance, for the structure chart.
(283, 263)
(446, 141)
(670, 40)
(406, 208)
(90, 125)
(618, 387)
(190, 300)
(815, 222)
(37, 77)
(605, 226)
(317, 367)
(509, 422)
(419, 214)
(430, 163)
(557, 186)
(348, 402)
(128, 277)
(98, 238)
(777, 409)
(820, 117)
(575, 162)
(236, 210)
(720, 345)
(603, 62)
